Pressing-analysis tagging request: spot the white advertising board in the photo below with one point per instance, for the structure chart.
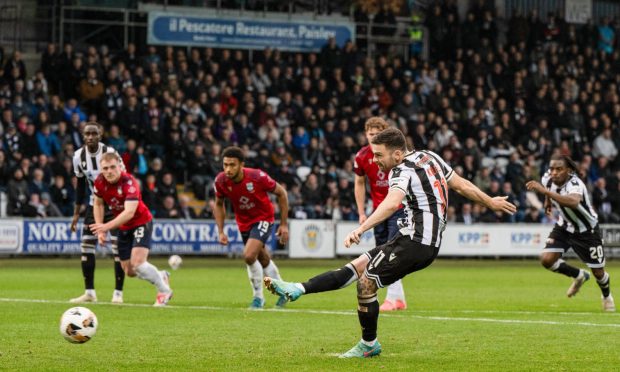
(311, 239)
(342, 230)
(494, 240)
(10, 235)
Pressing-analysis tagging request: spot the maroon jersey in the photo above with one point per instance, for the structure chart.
(115, 195)
(249, 197)
(378, 179)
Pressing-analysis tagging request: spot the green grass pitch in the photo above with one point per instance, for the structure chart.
(463, 315)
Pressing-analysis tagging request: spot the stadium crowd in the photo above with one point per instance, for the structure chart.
(496, 99)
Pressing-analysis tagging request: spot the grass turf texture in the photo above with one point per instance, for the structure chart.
(463, 315)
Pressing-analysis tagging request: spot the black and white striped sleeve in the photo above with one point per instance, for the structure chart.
(399, 179)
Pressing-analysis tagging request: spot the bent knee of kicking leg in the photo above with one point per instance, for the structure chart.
(548, 260)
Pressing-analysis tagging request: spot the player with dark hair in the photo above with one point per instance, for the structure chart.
(247, 189)
(419, 180)
(86, 168)
(577, 227)
(121, 193)
(366, 168)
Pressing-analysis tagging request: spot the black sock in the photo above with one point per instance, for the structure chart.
(368, 314)
(604, 285)
(119, 274)
(567, 270)
(331, 280)
(88, 270)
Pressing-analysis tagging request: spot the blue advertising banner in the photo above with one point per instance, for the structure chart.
(54, 236)
(305, 36)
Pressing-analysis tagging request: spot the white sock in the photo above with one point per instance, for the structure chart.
(91, 292)
(272, 270)
(369, 343)
(117, 293)
(395, 291)
(148, 272)
(255, 274)
(300, 286)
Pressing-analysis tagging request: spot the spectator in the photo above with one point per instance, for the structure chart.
(62, 195)
(604, 146)
(185, 211)
(48, 142)
(17, 192)
(51, 210)
(168, 208)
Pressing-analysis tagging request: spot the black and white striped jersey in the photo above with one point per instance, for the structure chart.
(423, 176)
(580, 219)
(86, 164)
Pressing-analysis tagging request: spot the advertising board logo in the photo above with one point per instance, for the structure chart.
(525, 239)
(473, 238)
(312, 238)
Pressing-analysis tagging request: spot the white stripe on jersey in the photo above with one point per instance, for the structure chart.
(423, 176)
(86, 165)
(580, 219)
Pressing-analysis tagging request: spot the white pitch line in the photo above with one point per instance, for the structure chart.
(334, 312)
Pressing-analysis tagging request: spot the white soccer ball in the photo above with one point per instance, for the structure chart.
(175, 261)
(78, 325)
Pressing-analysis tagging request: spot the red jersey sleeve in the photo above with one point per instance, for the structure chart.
(131, 189)
(266, 181)
(357, 162)
(219, 186)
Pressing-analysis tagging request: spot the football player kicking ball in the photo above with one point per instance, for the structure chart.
(420, 180)
(120, 192)
(366, 168)
(577, 228)
(247, 189)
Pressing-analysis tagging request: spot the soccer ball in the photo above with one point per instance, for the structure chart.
(175, 261)
(78, 325)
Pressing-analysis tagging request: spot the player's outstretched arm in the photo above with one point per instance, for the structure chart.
(570, 200)
(388, 206)
(127, 214)
(282, 196)
(98, 213)
(219, 212)
(473, 193)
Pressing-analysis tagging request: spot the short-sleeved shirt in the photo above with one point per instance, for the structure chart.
(377, 179)
(249, 197)
(423, 177)
(573, 220)
(86, 164)
(115, 195)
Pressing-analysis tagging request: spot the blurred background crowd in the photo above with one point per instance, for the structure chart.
(496, 98)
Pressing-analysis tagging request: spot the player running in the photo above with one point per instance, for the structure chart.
(576, 228)
(420, 181)
(86, 168)
(247, 189)
(121, 193)
(365, 167)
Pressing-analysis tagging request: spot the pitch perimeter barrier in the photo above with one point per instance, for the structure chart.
(308, 238)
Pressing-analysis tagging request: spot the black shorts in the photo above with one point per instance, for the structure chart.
(587, 245)
(398, 257)
(260, 231)
(139, 236)
(89, 218)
